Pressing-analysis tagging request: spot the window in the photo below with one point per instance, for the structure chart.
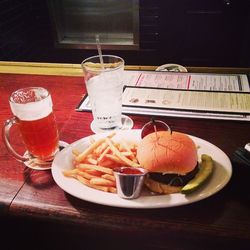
(76, 23)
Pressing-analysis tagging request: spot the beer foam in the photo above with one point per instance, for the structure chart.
(32, 110)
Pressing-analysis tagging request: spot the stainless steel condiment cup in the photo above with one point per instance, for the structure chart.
(129, 181)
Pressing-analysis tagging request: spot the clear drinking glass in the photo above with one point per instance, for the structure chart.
(33, 114)
(104, 86)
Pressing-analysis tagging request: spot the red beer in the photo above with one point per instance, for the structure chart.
(32, 108)
(40, 136)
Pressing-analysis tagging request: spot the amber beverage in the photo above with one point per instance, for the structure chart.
(40, 136)
(33, 113)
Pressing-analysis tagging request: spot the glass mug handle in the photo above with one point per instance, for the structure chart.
(6, 139)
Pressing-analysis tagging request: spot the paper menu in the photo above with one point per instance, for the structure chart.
(188, 103)
(190, 81)
(192, 100)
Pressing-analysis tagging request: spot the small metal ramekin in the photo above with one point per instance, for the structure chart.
(128, 183)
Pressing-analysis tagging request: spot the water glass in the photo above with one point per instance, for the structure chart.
(103, 79)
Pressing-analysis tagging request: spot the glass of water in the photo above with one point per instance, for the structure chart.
(103, 79)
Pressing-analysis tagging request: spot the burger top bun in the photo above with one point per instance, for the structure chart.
(164, 152)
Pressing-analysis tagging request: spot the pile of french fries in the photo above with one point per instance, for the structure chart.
(94, 166)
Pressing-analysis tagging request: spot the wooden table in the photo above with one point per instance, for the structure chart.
(35, 213)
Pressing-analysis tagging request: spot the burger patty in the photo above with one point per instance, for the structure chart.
(174, 179)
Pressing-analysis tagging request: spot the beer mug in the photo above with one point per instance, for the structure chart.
(33, 114)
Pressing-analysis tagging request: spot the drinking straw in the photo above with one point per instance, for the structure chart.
(99, 50)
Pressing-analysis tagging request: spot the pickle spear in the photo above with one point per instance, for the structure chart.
(204, 172)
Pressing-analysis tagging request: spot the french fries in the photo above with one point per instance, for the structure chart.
(94, 166)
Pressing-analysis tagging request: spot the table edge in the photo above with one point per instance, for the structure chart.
(69, 69)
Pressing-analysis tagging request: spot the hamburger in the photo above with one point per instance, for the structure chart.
(170, 158)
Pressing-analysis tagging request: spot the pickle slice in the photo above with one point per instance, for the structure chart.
(204, 172)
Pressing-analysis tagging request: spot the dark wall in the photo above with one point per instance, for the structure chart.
(18, 25)
(188, 32)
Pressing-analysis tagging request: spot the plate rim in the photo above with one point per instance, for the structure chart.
(136, 203)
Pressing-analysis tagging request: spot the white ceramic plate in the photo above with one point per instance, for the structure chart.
(63, 160)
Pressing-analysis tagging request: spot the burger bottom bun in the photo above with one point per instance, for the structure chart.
(161, 188)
